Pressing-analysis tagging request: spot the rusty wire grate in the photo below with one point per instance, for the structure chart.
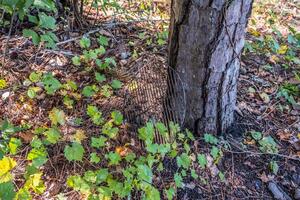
(149, 96)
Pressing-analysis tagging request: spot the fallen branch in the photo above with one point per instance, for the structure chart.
(277, 192)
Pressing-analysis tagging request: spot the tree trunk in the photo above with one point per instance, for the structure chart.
(206, 41)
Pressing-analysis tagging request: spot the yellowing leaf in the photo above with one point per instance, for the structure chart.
(3, 84)
(265, 97)
(254, 32)
(283, 49)
(79, 136)
(57, 116)
(6, 165)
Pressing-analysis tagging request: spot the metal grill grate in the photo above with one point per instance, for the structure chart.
(149, 96)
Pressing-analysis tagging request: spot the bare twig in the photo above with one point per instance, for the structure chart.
(9, 35)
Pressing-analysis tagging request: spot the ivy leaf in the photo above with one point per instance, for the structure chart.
(209, 138)
(114, 158)
(98, 142)
(202, 160)
(100, 77)
(46, 21)
(94, 158)
(116, 84)
(178, 180)
(145, 173)
(183, 161)
(14, 144)
(102, 40)
(78, 184)
(6, 165)
(76, 61)
(74, 152)
(7, 191)
(51, 84)
(95, 114)
(170, 193)
(35, 77)
(52, 135)
(57, 116)
(214, 152)
(89, 91)
(85, 43)
(117, 117)
(34, 36)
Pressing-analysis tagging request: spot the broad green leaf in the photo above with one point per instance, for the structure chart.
(100, 77)
(35, 77)
(76, 61)
(90, 176)
(209, 138)
(52, 135)
(117, 117)
(102, 40)
(34, 36)
(95, 115)
(102, 175)
(256, 135)
(36, 183)
(85, 43)
(14, 144)
(94, 158)
(51, 84)
(109, 130)
(98, 142)
(7, 191)
(89, 91)
(57, 116)
(202, 160)
(145, 173)
(183, 161)
(215, 152)
(170, 193)
(78, 184)
(274, 167)
(178, 180)
(32, 92)
(74, 152)
(116, 84)
(46, 21)
(114, 158)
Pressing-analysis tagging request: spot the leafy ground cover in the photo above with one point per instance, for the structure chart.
(64, 133)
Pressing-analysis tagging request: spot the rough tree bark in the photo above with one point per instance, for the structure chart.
(206, 41)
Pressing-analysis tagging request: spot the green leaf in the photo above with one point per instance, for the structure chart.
(98, 142)
(221, 176)
(145, 173)
(37, 156)
(46, 21)
(102, 175)
(178, 180)
(100, 77)
(256, 135)
(147, 132)
(78, 184)
(114, 158)
(214, 152)
(183, 161)
(110, 61)
(51, 84)
(274, 167)
(106, 91)
(116, 84)
(32, 92)
(102, 40)
(13, 145)
(7, 191)
(202, 160)
(89, 91)
(209, 138)
(170, 193)
(74, 152)
(52, 135)
(95, 114)
(94, 158)
(90, 176)
(85, 43)
(34, 36)
(76, 61)
(35, 76)
(109, 130)
(57, 116)
(117, 117)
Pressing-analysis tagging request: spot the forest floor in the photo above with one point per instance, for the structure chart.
(260, 153)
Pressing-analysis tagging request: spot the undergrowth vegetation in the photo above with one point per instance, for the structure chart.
(103, 165)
